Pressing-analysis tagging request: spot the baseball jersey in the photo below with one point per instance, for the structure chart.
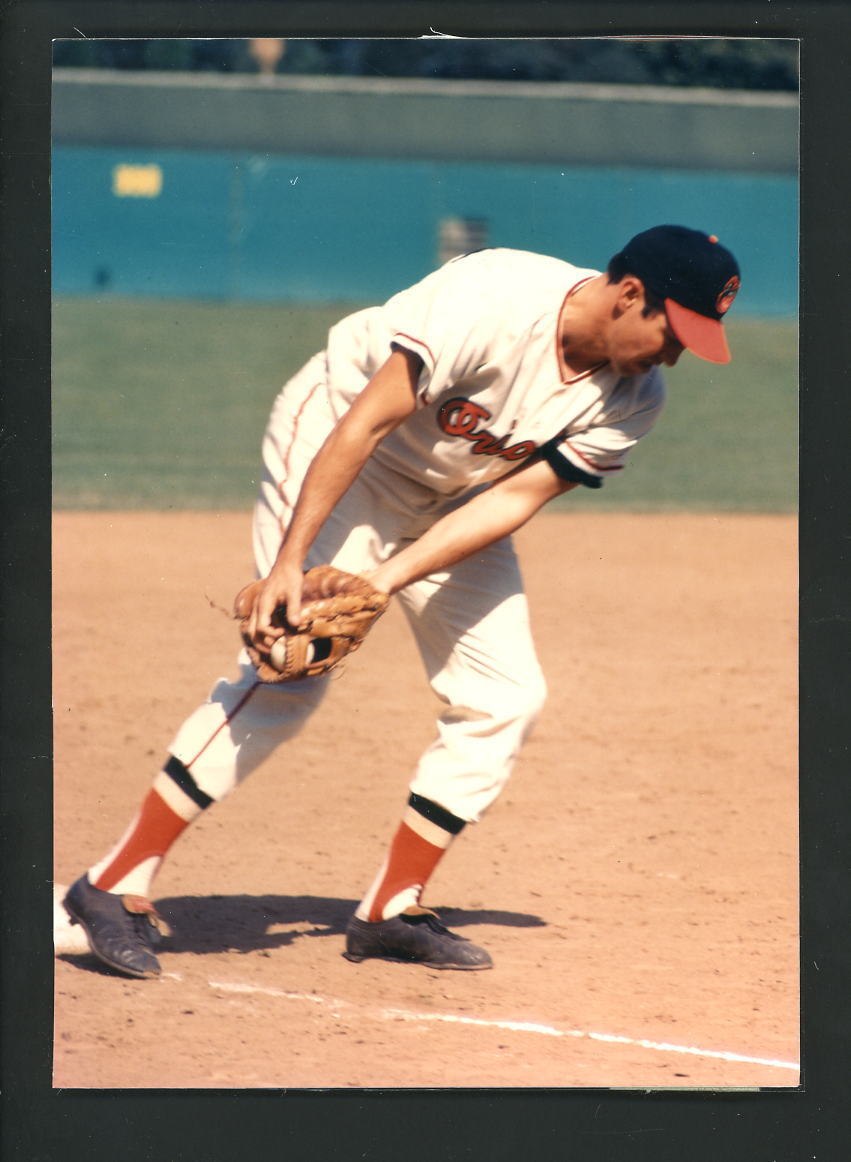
(493, 389)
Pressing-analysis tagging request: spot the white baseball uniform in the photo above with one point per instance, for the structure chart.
(493, 392)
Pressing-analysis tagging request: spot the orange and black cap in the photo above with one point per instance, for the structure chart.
(697, 278)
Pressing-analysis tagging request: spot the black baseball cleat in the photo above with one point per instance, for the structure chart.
(414, 937)
(122, 931)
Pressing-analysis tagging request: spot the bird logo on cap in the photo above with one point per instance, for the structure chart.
(725, 299)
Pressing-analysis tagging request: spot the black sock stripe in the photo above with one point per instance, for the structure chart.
(436, 814)
(175, 770)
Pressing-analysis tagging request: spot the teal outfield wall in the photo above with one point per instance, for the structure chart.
(240, 225)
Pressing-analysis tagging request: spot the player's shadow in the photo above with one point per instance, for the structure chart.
(253, 923)
(209, 924)
(214, 924)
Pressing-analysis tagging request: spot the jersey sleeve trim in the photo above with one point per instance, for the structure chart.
(400, 339)
(565, 469)
(590, 463)
(426, 355)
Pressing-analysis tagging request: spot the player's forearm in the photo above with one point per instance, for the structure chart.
(335, 467)
(486, 518)
(384, 404)
(458, 535)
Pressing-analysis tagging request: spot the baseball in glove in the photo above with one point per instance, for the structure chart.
(338, 611)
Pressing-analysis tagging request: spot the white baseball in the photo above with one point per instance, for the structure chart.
(278, 654)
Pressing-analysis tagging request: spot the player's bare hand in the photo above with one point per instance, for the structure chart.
(281, 589)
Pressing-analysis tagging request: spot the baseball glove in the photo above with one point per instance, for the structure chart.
(339, 610)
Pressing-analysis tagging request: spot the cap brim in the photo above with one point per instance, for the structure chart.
(702, 336)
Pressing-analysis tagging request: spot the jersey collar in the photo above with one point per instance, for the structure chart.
(564, 375)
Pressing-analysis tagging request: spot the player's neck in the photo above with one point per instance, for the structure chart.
(582, 328)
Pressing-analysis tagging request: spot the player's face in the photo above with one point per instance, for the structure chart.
(639, 342)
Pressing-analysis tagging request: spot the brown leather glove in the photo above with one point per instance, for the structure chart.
(339, 610)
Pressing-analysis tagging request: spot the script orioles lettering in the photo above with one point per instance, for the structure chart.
(461, 417)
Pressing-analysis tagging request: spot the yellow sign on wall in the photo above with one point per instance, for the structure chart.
(137, 181)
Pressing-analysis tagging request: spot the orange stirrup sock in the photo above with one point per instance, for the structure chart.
(425, 833)
(167, 810)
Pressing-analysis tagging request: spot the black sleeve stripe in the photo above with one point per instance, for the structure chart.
(565, 469)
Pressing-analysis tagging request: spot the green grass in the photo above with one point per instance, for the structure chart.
(728, 438)
(162, 405)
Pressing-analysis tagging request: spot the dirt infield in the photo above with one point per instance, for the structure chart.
(636, 884)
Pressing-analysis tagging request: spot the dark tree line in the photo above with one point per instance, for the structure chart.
(714, 62)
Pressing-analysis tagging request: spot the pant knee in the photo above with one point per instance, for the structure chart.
(239, 726)
(532, 698)
(477, 744)
(518, 707)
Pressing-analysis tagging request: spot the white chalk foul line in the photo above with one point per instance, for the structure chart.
(512, 1026)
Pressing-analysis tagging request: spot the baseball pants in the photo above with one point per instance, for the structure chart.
(470, 624)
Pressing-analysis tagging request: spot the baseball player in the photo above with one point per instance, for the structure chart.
(407, 453)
